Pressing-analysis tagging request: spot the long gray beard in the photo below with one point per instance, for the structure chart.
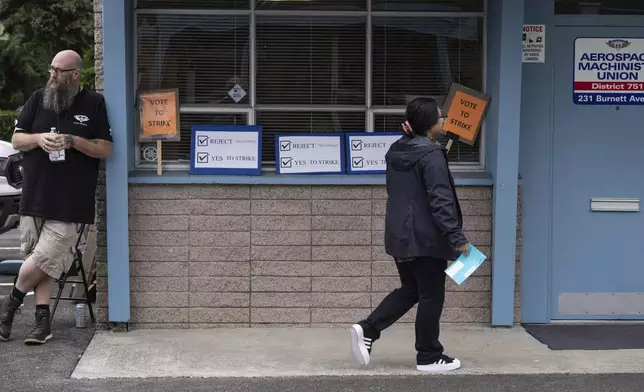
(58, 99)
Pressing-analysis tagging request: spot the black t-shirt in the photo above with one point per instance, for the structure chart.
(62, 191)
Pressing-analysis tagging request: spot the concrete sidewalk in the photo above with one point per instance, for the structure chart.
(289, 352)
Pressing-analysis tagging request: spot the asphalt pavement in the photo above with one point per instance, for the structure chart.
(543, 383)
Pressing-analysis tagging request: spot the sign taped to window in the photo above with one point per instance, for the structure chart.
(226, 149)
(159, 115)
(366, 151)
(465, 109)
(321, 153)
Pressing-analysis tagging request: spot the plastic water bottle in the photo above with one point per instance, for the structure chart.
(56, 156)
(81, 315)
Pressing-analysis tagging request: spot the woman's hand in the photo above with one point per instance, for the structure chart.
(465, 249)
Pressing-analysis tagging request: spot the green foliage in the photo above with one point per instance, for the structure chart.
(7, 119)
(88, 75)
(37, 30)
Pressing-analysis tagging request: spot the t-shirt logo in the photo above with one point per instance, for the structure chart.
(82, 119)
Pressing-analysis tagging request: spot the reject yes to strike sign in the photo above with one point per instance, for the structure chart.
(226, 149)
(465, 109)
(321, 153)
(366, 152)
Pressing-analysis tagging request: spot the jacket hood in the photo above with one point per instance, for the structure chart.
(407, 151)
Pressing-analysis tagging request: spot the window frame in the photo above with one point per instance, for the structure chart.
(368, 109)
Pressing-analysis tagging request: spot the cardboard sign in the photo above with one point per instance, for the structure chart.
(310, 153)
(159, 116)
(608, 71)
(465, 109)
(226, 149)
(366, 151)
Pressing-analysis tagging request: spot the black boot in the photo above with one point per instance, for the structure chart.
(42, 333)
(8, 308)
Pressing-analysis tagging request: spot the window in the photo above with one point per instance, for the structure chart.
(204, 56)
(193, 4)
(422, 56)
(318, 5)
(306, 66)
(429, 5)
(600, 7)
(311, 60)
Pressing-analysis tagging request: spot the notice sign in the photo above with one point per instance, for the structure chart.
(159, 115)
(226, 149)
(534, 43)
(310, 153)
(366, 152)
(465, 109)
(609, 71)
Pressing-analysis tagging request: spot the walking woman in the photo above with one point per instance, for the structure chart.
(423, 229)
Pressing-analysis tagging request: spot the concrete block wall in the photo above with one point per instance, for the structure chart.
(255, 256)
(101, 251)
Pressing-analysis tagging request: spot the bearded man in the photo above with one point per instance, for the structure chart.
(63, 132)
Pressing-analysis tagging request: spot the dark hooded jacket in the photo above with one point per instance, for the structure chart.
(423, 214)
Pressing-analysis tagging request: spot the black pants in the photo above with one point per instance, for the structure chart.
(423, 282)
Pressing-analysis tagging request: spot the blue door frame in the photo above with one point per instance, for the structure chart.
(537, 155)
(119, 97)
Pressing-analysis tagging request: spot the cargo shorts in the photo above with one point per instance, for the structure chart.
(49, 243)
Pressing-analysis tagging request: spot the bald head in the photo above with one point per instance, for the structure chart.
(67, 59)
(64, 81)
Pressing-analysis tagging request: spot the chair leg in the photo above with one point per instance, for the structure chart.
(86, 287)
(61, 288)
(78, 261)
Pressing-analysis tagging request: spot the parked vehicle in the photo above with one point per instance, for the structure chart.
(10, 186)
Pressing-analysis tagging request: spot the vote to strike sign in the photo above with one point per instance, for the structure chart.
(465, 109)
(159, 115)
(226, 149)
(366, 151)
(310, 153)
(609, 71)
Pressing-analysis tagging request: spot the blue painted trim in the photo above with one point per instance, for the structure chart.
(225, 128)
(595, 20)
(116, 16)
(366, 135)
(340, 137)
(131, 86)
(181, 177)
(507, 24)
(536, 168)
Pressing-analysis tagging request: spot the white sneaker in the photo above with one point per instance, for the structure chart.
(443, 364)
(360, 345)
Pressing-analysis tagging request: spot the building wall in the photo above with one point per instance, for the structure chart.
(229, 255)
(101, 251)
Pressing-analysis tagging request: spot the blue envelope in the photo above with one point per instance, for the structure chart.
(463, 267)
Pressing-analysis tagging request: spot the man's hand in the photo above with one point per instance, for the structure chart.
(49, 142)
(67, 141)
(465, 249)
